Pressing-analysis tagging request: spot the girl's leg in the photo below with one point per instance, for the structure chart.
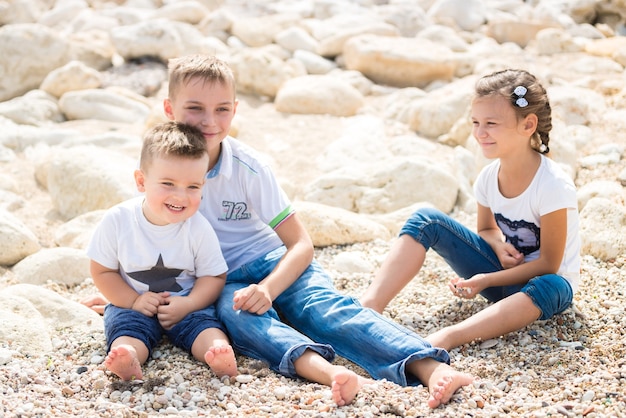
(401, 265)
(464, 251)
(541, 298)
(509, 314)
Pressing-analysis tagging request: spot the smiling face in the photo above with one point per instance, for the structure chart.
(208, 105)
(172, 187)
(497, 129)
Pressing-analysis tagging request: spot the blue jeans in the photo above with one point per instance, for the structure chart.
(120, 322)
(468, 254)
(315, 316)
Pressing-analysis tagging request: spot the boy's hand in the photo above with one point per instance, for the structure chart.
(254, 299)
(148, 303)
(173, 310)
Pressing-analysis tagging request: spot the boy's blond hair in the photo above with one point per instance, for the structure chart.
(172, 139)
(207, 67)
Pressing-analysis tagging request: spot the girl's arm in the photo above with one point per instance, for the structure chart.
(488, 229)
(552, 241)
(258, 298)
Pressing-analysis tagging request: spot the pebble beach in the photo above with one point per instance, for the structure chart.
(573, 365)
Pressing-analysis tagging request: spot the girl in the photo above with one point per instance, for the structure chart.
(525, 254)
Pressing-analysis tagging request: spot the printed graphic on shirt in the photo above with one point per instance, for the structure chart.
(159, 278)
(523, 235)
(233, 211)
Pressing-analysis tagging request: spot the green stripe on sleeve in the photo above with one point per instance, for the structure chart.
(281, 217)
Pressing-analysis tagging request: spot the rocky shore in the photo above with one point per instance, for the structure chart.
(361, 107)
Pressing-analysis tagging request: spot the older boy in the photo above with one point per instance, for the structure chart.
(271, 266)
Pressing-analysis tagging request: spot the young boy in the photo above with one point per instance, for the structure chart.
(271, 266)
(158, 262)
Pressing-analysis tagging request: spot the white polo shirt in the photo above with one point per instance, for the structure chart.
(244, 203)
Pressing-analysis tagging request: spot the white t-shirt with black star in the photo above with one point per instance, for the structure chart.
(152, 257)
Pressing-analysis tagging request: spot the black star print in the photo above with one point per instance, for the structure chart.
(159, 278)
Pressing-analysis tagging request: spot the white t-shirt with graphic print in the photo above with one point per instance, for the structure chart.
(519, 217)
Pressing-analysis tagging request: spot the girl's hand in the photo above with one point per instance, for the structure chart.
(467, 289)
(508, 255)
(254, 299)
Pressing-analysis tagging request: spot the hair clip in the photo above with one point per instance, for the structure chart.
(520, 92)
(543, 148)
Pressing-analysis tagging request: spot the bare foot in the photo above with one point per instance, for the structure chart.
(443, 382)
(221, 360)
(346, 384)
(95, 302)
(122, 360)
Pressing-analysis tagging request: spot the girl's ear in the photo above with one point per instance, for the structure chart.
(140, 181)
(530, 123)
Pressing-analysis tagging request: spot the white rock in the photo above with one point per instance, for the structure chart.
(338, 30)
(352, 262)
(188, 11)
(603, 228)
(398, 61)
(72, 76)
(63, 265)
(16, 240)
(77, 232)
(83, 179)
(435, 114)
(261, 71)
(610, 190)
(468, 15)
(261, 31)
(22, 47)
(23, 325)
(106, 105)
(314, 63)
(164, 39)
(318, 94)
(328, 225)
(296, 38)
(34, 108)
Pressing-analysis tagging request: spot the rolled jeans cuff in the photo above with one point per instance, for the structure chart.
(286, 366)
(404, 378)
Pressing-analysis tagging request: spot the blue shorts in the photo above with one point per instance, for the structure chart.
(120, 322)
(468, 254)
